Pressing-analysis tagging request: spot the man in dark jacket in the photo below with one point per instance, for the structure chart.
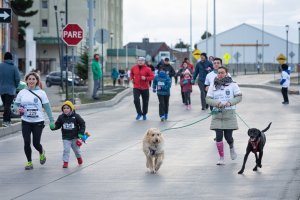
(168, 68)
(140, 75)
(9, 81)
(202, 69)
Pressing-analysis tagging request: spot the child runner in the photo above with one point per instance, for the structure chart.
(162, 84)
(71, 125)
(186, 83)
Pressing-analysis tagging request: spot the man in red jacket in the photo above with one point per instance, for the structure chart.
(140, 75)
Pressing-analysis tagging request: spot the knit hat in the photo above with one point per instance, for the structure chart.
(68, 103)
(141, 58)
(187, 72)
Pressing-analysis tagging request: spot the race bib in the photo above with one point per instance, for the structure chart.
(68, 126)
(31, 111)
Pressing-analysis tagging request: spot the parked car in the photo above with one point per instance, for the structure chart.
(14, 109)
(54, 78)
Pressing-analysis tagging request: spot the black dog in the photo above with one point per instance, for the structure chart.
(256, 144)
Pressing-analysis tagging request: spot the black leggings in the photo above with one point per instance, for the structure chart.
(227, 135)
(36, 129)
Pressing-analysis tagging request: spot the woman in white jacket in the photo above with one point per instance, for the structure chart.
(223, 95)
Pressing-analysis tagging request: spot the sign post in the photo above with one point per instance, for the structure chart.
(72, 35)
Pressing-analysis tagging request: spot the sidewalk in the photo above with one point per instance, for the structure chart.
(263, 81)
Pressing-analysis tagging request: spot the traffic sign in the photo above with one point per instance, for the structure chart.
(236, 56)
(196, 54)
(5, 15)
(226, 58)
(72, 34)
(102, 36)
(281, 59)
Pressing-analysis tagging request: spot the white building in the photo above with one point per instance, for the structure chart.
(108, 14)
(247, 41)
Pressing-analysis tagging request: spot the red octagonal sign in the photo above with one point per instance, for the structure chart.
(72, 34)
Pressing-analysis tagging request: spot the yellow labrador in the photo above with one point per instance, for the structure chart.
(153, 148)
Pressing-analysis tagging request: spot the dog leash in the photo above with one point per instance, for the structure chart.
(242, 120)
(213, 112)
(172, 128)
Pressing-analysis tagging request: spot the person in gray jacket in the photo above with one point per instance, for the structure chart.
(223, 95)
(9, 81)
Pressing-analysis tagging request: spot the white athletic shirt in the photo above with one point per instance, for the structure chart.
(286, 76)
(225, 94)
(32, 105)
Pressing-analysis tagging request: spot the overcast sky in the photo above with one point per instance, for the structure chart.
(169, 20)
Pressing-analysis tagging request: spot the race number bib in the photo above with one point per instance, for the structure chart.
(68, 126)
(160, 84)
(31, 112)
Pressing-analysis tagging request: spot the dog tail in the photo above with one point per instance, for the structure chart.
(267, 127)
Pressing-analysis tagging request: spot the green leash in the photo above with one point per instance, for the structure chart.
(242, 120)
(213, 112)
(172, 128)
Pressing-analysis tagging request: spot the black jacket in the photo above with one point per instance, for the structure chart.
(168, 69)
(70, 125)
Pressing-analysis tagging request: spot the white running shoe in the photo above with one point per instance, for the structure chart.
(232, 154)
(221, 161)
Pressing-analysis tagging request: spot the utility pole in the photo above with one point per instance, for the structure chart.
(214, 28)
(91, 40)
(67, 69)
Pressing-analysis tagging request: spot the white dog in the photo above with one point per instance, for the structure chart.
(153, 148)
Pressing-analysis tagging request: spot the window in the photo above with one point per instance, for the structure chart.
(44, 23)
(44, 3)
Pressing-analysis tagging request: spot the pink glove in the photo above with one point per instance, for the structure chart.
(21, 110)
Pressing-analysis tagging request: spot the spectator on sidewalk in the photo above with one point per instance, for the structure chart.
(121, 76)
(31, 102)
(126, 77)
(71, 125)
(258, 68)
(9, 81)
(97, 74)
(202, 69)
(285, 82)
(140, 75)
(114, 75)
(162, 85)
(223, 95)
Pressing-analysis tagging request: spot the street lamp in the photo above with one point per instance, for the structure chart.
(111, 44)
(298, 52)
(287, 43)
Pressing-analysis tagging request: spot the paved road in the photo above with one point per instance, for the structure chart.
(114, 165)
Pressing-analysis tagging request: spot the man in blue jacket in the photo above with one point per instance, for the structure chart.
(9, 81)
(202, 69)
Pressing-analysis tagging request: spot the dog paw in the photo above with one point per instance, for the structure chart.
(255, 169)
(241, 172)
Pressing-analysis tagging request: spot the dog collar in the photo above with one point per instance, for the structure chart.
(254, 144)
(152, 151)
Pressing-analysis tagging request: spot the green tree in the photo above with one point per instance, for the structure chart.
(203, 37)
(181, 45)
(83, 65)
(20, 8)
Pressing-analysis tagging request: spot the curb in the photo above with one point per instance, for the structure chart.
(4, 131)
(269, 87)
(108, 103)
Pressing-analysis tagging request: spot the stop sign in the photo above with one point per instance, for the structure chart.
(72, 34)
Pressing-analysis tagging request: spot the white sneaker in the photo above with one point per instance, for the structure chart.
(232, 154)
(221, 161)
(6, 124)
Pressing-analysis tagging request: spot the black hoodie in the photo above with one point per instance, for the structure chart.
(70, 125)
